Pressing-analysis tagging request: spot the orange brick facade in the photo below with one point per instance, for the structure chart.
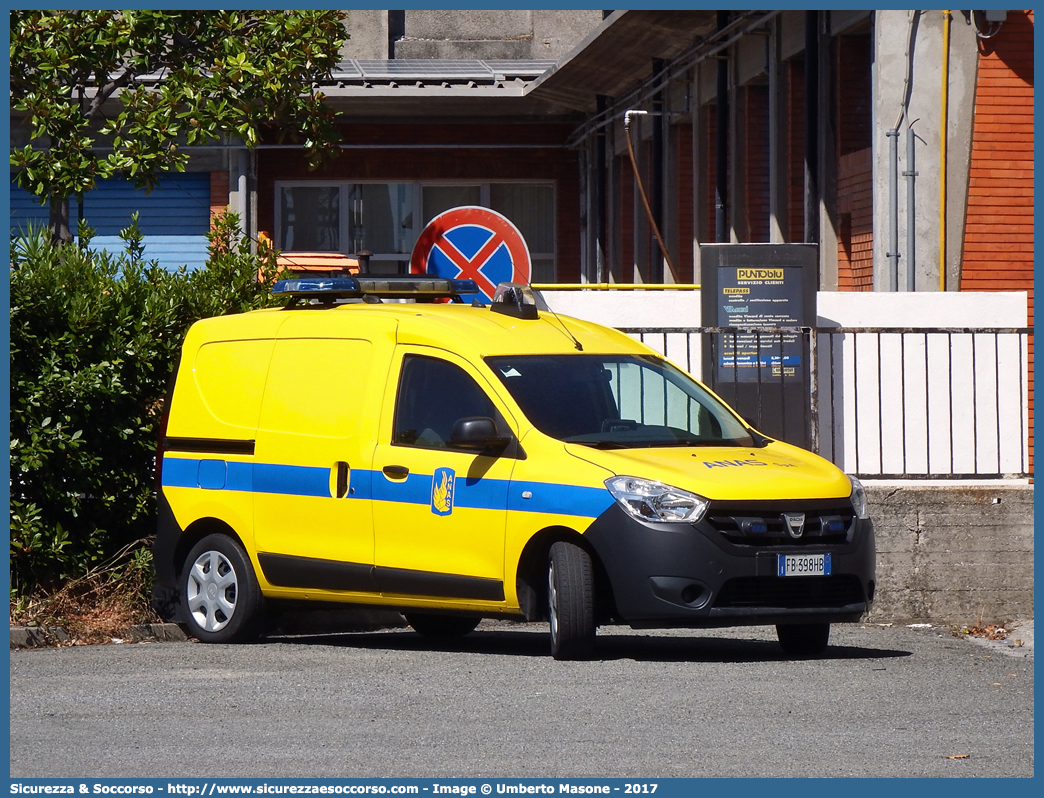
(219, 187)
(998, 236)
(855, 182)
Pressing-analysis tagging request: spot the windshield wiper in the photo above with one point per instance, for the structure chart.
(600, 444)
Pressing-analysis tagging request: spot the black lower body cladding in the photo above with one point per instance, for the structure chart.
(166, 557)
(665, 575)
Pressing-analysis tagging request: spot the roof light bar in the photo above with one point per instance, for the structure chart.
(417, 287)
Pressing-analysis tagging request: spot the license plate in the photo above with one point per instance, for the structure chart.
(804, 564)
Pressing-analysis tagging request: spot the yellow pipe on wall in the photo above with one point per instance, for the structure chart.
(942, 151)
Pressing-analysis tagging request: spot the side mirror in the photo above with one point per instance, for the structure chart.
(476, 432)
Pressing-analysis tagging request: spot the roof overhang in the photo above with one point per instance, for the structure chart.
(619, 54)
(439, 89)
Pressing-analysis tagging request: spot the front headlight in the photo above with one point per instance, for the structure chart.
(647, 500)
(859, 498)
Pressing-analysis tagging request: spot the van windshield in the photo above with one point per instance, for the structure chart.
(617, 401)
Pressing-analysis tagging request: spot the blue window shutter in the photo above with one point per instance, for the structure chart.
(174, 218)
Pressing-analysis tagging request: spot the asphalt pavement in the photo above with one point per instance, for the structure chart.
(883, 702)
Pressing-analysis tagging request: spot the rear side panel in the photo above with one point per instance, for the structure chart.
(210, 436)
(315, 441)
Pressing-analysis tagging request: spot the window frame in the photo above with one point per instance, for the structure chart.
(416, 191)
(501, 419)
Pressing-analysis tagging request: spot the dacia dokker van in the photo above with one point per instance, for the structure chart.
(455, 461)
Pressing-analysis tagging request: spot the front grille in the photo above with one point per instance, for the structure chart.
(791, 592)
(762, 527)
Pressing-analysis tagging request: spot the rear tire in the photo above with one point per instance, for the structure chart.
(803, 639)
(222, 597)
(441, 625)
(570, 602)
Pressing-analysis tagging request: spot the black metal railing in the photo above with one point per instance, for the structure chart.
(886, 402)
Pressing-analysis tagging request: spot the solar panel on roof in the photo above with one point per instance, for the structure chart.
(436, 70)
(421, 69)
(345, 70)
(520, 67)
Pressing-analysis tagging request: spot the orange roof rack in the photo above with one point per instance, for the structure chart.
(319, 263)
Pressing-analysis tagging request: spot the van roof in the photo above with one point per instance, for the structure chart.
(462, 328)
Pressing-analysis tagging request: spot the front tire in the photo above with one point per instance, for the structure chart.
(222, 597)
(441, 625)
(570, 601)
(803, 639)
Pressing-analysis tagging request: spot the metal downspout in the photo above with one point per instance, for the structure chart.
(893, 164)
(893, 210)
(942, 148)
(911, 205)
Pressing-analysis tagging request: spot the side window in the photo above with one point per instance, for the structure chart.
(433, 395)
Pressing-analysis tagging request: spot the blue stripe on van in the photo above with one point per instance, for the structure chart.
(550, 497)
(286, 480)
(291, 480)
(415, 489)
(180, 473)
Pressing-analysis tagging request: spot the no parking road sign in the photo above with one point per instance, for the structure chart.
(472, 243)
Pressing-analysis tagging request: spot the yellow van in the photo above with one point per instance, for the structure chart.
(380, 441)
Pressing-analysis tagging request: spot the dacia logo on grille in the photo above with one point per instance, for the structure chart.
(442, 491)
(795, 524)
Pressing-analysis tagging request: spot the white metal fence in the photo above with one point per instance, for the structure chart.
(936, 402)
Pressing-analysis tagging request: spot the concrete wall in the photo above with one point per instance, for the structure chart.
(925, 113)
(368, 36)
(953, 554)
(474, 34)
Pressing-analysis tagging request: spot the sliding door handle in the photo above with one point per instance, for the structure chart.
(342, 480)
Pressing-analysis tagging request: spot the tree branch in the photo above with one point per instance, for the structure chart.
(105, 92)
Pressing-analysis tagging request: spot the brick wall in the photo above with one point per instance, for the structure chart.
(756, 164)
(855, 210)
(854, 123)
(219, 188)
(627, 194)
(681, 141)
(554, 164)
(998, 237)
(795, 219)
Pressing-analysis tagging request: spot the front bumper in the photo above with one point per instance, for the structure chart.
(684, 575)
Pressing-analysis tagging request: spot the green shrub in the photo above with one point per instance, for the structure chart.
(93, 340)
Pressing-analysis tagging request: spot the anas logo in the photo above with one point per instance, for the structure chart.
(795, 524)
(442, 491)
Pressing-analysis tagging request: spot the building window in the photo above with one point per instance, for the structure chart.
(387, 218)
(380, 219)
(309, 218)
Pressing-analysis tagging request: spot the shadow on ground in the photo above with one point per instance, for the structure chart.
(617, 646)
